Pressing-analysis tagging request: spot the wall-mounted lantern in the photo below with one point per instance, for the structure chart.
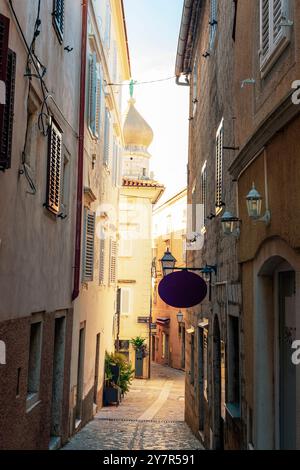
(254, 206)
(167, 263)
(230, 224)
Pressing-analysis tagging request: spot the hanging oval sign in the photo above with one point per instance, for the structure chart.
(182, 289)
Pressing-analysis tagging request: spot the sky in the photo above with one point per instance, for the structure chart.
(153, 30)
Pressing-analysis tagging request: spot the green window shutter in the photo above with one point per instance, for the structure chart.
(54, 179)
(59, 18)
(88, 245)
(98, 102)
(106, 138)
(92, 92)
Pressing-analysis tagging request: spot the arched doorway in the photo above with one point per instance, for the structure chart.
(216, 409)
(274, 372)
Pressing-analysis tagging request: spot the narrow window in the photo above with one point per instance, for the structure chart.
(219, 168)
(235, 6)
(234, 361)
(34, 362)
(58, 18)
(54, 180)
(88, 245)
(213, 23)
(192, 372)
(92, 93)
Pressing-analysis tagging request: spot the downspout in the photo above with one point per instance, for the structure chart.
(80, 152)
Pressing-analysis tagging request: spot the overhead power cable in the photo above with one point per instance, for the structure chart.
(143, 83)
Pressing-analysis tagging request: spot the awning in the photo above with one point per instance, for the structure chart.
(163, 321)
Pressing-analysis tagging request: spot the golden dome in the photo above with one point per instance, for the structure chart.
(136, 130)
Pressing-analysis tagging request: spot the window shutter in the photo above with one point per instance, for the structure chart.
(102, 261)
(107, 25)
(265, 27)
(106, 138)
(125, 300)
(213, 23)
(98, 102)
(92, 92)
(271, 14)
(204, 192)
(113, 262)
(7, 112)
(4, 34)
(219, 167)
(89, 242)
(54, 169)
(277, 17)
(58, 17)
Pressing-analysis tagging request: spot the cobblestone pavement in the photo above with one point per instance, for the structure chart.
(150, 417)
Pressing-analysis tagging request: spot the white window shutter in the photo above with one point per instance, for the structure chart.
(219, 167)
(102, 261)
(265, 28)
(113, 262)
(272, 13)
(88, 245)
(204, 192)
(125, 300)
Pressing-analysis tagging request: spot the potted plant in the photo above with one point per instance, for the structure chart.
(118, 377)
(141, 352)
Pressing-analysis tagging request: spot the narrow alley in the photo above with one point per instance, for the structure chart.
(150, 417)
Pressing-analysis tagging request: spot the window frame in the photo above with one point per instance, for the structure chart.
(276, 45)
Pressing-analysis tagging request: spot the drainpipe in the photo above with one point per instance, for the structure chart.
(80, 152)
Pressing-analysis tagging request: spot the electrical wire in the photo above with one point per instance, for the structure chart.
(143, 83)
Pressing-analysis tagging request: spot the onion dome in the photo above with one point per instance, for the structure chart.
(136, 130)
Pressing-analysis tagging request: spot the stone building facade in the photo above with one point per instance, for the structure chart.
(169, 232)
(107, 63)
(267, 134)
(39, 144)
(242, 63)
(214, 367)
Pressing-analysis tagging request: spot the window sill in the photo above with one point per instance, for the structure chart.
(234, 410)
(268, 64)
